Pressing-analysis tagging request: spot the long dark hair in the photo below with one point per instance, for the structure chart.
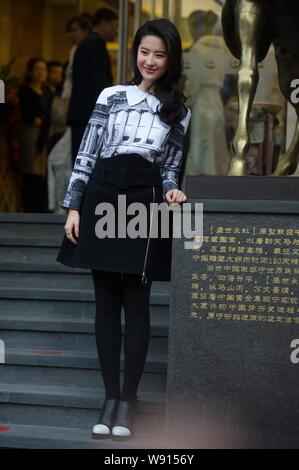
(167, 88)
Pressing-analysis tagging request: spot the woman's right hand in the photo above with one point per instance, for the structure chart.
(72, 225)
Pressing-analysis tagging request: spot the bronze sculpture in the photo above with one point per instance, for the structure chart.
(249, 28)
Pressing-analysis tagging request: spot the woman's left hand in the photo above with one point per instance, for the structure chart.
(175, 195)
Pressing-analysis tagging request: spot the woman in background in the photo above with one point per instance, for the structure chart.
(35, 105)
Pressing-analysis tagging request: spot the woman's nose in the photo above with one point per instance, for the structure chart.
(150, 61)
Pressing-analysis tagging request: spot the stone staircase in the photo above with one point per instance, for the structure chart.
(51, 389)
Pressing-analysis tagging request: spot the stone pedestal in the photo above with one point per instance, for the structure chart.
(233, 370)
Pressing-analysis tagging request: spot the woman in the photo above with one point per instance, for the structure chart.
(132, 147)
(35, 105)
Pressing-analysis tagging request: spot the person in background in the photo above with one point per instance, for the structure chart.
(35, 104)
(78, 27)
(58, 115)
(91, 73)
(55, 76)
(59, 159)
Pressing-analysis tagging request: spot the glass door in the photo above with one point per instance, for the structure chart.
(209, 83)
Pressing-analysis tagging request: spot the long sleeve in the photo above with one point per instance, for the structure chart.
(91, 144)
(172, 155)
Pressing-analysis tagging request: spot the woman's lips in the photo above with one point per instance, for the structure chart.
(149, 70)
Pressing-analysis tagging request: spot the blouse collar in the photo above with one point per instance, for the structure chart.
(136, 95)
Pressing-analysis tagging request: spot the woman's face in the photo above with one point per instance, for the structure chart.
(152, 59)
(39, 72)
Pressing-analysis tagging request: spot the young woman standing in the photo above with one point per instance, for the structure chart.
(132, 147)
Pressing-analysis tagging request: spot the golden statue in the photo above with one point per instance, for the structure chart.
(250, 27)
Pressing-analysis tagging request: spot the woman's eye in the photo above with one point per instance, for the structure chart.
(158, 55)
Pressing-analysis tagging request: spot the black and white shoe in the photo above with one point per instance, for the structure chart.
(104, 426)
(124, 420)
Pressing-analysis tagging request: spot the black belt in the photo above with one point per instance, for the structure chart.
(126, 176)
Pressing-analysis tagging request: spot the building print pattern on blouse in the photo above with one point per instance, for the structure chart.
(124, 121)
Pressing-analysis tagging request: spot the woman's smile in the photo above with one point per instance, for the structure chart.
(149, 70)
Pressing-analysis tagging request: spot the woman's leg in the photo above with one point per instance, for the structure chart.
(137, 329)
(108, 297)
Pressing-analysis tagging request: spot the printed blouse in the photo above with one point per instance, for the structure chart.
(124, 121)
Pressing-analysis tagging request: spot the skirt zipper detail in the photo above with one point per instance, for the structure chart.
(144, 278)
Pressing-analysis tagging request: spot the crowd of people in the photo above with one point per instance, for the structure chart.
(55, 103)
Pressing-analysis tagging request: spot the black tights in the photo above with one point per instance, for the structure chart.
(111, 292)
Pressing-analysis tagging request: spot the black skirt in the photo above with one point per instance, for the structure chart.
(140, 181)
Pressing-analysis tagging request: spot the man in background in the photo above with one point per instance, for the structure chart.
(91, 73)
